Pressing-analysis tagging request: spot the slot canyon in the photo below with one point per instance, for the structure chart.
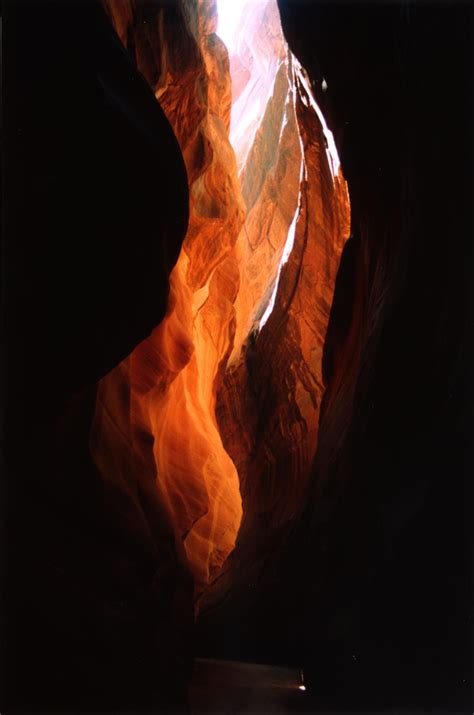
(238, 354)
(185, 407)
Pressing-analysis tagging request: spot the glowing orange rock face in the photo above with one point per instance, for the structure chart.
(156, 412)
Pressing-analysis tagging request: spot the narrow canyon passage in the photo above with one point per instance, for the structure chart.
(191, 414)
(238, 431)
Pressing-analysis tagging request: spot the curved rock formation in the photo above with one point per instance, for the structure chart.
(98, 601)
(260, 181)
(170, 377)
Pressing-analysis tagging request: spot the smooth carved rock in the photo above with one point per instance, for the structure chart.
(209, 407)
(170, 423)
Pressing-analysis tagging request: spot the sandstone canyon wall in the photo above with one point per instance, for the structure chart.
(219, 407)
(376, 569)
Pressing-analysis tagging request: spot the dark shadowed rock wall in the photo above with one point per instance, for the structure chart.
(372, 590)
(96, 209)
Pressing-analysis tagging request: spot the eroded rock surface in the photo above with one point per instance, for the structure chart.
(259, 180)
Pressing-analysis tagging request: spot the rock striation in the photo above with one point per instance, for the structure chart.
(218, 408)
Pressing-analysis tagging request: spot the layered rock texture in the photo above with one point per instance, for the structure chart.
(376, 568)
(219, 407)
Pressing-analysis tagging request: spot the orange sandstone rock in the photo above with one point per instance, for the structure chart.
(257, 171)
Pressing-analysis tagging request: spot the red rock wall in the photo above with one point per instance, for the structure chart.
(269, 404)
(168, 426)
(156, 414)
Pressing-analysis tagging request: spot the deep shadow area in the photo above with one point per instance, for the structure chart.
(372, 590)
(96, 207)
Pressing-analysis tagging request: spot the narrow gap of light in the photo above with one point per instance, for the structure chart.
(289, 97)
(288, 247)
(289, 243)
(235, 27)
(230, 18)
(228, 21)
(252, 117)
(331, 149)
(246, 116)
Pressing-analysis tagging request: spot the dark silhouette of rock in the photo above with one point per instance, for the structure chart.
(95, 212)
